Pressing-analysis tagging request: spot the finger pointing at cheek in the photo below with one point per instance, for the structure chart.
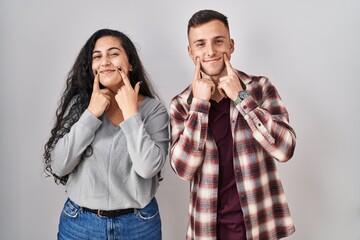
(229, 69)
(96, 84)
(124, 77)
(197, 69)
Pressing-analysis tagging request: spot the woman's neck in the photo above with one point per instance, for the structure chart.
(114, 112)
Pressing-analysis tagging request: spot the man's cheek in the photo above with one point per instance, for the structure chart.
(194, 57)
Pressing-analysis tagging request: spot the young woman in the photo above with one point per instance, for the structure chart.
(109, 143)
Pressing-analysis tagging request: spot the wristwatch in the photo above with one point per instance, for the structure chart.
(241, 96)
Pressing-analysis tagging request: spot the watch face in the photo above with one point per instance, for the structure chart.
(243, 95)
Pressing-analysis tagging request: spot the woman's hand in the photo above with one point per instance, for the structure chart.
(100, 98)
(127, 97)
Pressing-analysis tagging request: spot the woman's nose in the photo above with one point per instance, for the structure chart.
(105, 61)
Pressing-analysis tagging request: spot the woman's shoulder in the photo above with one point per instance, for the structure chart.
(151, 105)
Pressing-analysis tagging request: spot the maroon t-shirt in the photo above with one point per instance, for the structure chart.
(230, 220)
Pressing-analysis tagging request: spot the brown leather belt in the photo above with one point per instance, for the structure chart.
(111, 213)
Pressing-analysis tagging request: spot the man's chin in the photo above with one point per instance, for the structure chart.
(213, 73)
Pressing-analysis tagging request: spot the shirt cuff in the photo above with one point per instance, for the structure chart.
(90, 121)
(247, 105)
(199, 105)
(133, 122)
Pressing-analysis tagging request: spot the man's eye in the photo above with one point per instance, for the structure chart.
(199, 45)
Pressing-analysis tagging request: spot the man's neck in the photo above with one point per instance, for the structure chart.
(216, 96)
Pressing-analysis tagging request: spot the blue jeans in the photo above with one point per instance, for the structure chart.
(76, 224)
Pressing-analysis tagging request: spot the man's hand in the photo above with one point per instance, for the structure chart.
(202, 88)
(230, 84)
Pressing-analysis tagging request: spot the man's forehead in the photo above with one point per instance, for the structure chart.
(210, 30)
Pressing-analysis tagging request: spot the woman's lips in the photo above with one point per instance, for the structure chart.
(107, 71)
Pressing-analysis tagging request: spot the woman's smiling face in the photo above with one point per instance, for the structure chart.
(107, 56)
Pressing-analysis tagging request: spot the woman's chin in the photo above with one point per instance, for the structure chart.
(112, 86)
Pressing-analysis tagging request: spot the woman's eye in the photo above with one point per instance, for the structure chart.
(96, 57)
(114, 54)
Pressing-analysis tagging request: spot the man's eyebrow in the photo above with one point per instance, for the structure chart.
(220, 37)
(202, 40)
(198, 40)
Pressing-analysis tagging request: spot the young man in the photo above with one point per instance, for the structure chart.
(228, 128)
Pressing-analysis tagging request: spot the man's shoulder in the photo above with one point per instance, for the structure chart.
(254, 81)
(182, 95)
(247, 78)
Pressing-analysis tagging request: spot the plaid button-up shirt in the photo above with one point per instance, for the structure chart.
(261, 135)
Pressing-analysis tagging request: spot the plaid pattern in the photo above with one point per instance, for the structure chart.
(261, 133)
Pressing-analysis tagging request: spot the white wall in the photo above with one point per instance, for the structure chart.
(310, 50)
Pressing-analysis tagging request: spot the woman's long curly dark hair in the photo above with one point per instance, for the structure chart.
(78, 90)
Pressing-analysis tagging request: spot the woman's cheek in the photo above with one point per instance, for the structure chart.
(95, 68)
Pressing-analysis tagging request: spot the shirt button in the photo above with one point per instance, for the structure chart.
(259, 124)
(245, 107)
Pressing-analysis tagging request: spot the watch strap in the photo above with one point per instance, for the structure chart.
(237, 100)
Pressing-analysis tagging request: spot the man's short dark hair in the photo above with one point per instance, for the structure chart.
(205, 16)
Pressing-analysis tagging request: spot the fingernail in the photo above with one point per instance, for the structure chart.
(140, 83)
(96, 72)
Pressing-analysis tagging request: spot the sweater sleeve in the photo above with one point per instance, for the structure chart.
(188, 136)
(148, 141)
(269, 121)
(67, 152)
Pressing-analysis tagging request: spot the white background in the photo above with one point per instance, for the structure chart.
(309, 49)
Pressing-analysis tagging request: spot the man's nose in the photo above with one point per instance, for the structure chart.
(210, 50)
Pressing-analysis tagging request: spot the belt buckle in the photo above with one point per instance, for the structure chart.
(99, 214)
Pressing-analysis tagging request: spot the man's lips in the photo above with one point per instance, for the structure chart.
(211, 60)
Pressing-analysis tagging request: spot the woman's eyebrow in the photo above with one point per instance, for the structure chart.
(112, 48)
